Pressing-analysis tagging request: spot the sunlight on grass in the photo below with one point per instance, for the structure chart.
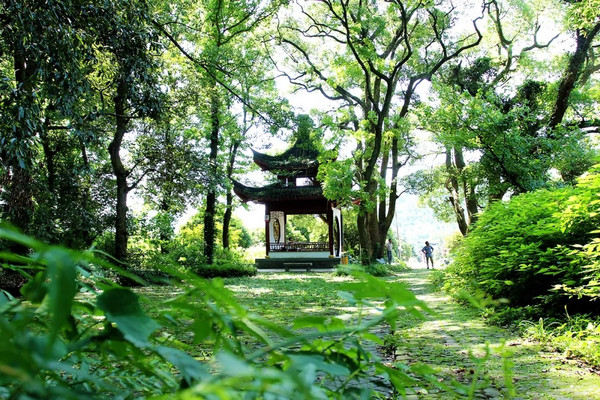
(252, 291)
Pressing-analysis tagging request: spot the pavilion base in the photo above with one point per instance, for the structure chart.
(296, 263)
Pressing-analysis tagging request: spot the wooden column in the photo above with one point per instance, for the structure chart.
(267, 232)
(330, 224)
(341, 233)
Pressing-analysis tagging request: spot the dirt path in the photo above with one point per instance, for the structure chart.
(453, 341)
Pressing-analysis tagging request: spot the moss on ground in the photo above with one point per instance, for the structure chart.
(454, 339)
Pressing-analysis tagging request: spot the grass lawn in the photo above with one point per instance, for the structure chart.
(462, 354)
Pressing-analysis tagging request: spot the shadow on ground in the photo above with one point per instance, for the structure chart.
(467, 353)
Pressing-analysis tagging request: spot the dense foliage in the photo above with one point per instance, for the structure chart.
(104, 103)
(75, 335)
(539, 250)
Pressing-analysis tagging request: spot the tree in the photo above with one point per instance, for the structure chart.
(128, 42)
(219, 30)
(261, 108)
(171, 149)
(514, 136)
(42, 55)
(373, 57)
(585, 24)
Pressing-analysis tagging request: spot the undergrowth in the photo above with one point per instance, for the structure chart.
(76, 334)
(378, 269)
(576, 337)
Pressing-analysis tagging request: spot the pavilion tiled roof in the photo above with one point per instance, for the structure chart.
(277, 192)
(299, 159)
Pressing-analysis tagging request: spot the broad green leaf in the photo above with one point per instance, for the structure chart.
(4, 299)
(373, 338)
(121, 306)
(62, 285)
(35, 290)
(201, 327)
(191, 369)
(15, 236)
(301, 361)
(313, 321)
(398, 377)
(232, 365)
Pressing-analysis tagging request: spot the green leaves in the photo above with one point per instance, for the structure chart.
(105, 342)
(529, 249)
(62, 285)
(121, 306)
(191, 369)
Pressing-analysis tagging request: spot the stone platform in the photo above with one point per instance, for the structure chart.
(288, 263)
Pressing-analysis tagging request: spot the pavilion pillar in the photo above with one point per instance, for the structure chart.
(330, 225)
(341, 234)
(267, 233)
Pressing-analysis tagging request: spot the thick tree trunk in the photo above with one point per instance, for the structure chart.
(367, 254)
(49, 154)
(472, 204)
(229, 200)
(468, 190)
(373, 224)
(372, 236)
(452, 185)
(571, 75)
(19, 206)
(211, 197)
(227, 219)
(121, 173)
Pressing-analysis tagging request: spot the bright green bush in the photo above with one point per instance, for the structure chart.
(371, 269)
(377, 269)
(225, 270)
(525, 250)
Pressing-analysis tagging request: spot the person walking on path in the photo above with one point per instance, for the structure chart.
(428, 252)
(388, 247)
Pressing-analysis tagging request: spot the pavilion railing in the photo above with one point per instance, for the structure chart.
(299, 246)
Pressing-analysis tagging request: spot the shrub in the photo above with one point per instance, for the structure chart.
(523, 249)
(436, 278)
(578, 336)
(398, 266)
(377, 269)
(371, 269)
(225, 270)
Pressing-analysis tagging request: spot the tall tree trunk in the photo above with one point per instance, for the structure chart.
(19, 206)
(571, 75)
(472, 203)
(120, 172)
(211, 197)
(468, 190)
(227, 219)
(452, 185)
(373, 225)
(229, 200)
(364, 238)
(49, 154)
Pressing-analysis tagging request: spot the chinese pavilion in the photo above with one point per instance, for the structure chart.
(296, 191)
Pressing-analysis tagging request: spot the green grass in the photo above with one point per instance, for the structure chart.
(469, 358)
